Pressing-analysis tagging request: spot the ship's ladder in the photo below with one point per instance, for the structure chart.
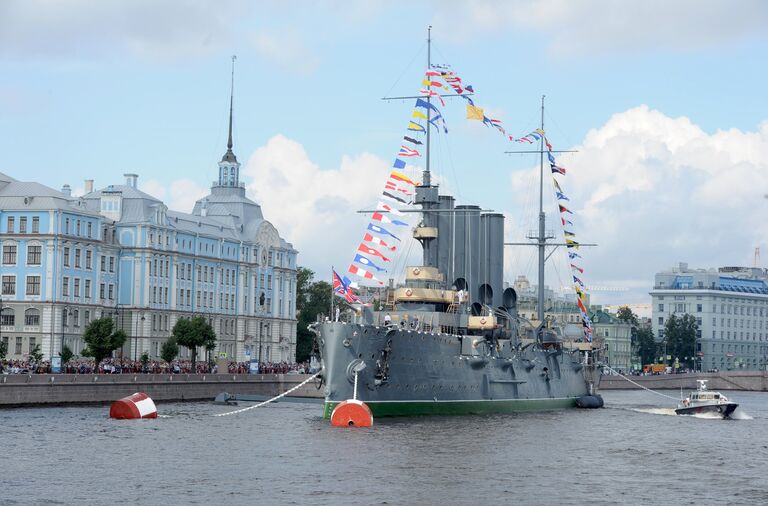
(389, 302)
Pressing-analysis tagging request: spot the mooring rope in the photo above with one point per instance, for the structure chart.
(641, 386)
(273, 398)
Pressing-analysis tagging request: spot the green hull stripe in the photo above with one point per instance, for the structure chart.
(420, 408)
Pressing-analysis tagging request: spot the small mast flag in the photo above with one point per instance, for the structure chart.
(406, 151)
(381, 230)
(395, 197)
(415, 127)
(401, 177)
(364, 248)
(357, 271)
(380, 217)
(376, 240)
(381, 206)
(363, 260)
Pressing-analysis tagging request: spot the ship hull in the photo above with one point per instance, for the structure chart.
(465, 407)
(724, 409)
(412, 373)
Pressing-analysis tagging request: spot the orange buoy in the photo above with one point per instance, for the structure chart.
(138, 405)
(352, 413)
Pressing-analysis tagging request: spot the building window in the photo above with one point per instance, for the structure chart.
(66, 226)
(7, 317)
(661, 320)
(65, 287)
(9, 254)
(23, 225)
(103, 263)
(11, 224)
(87, 289)
(77, 228)
(32, 317)
(66, 257)
(87, 317)
(9, 285)
(88, 259)
(111, 291)
(35, 225)
(18, 345)
(76, 317)
(33, 285)
(89, 228)
(34, 254)
(111, 264)
(101, 291)
(77, 258)
(77, 287)
(698, 308)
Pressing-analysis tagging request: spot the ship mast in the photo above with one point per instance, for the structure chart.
(541, 240)
(427, 179)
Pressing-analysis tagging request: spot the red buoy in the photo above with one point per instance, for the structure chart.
(138, 405)
(352, 413)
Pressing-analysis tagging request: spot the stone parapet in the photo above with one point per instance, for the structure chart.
(728, 380)
(56, 389)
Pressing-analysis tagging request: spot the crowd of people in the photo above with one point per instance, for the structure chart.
(116, 366)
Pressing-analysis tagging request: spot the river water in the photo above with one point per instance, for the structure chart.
(633, 452)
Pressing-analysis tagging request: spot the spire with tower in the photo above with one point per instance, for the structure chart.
(229, 168)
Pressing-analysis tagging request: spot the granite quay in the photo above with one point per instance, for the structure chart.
(56, 389)
(727, 380)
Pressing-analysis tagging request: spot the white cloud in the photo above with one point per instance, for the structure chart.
(653, 190)
(315, 208)
(587, 26)
(286, 50)
(180, 195)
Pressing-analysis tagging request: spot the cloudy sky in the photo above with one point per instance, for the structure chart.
(664, 101)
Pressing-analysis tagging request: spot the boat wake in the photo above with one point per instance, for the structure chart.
(655, 411)
(737, 415)
(740, 415)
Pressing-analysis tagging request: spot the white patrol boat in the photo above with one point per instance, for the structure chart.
(706, 401)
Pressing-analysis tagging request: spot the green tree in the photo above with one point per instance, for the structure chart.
(312, 298)
(102, 339)
(680, 336)
(646, 346)
(35, 355)
(170, 350)
(144, 359)
(627, 315)
(194, 333)
(66, 354)
(3, 350)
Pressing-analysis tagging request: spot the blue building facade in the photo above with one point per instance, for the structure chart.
(120, 252)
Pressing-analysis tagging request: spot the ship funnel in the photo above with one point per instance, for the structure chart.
(509, 298)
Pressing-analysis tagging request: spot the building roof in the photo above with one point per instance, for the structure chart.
(605, 318)
(32, 196)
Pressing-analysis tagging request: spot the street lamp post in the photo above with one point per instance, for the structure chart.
(1, 332)
(136, 338)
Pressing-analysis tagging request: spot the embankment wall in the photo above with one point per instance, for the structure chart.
(727, 380)
(53, 389)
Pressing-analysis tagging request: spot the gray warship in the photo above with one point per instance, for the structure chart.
(449, 341)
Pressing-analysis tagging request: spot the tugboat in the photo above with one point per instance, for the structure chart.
(450, 341)
(706, 401)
